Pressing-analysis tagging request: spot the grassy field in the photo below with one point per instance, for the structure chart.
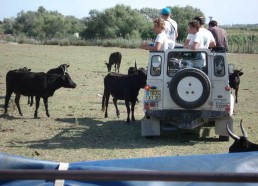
(77, 129)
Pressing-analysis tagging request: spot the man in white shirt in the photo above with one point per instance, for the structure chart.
(170, 27)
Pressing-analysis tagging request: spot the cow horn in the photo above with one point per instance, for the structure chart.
(231, 134)
(63, 68)
(243, 130)
(135, 65)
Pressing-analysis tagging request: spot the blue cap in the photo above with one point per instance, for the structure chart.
(166, 11)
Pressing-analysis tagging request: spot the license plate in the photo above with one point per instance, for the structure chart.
(221, 103)
(153, 95)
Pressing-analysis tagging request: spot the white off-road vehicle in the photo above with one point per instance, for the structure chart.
(187, 89)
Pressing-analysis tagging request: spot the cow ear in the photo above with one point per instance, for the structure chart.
(241, 73)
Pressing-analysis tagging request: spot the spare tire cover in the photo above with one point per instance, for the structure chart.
(190, 88)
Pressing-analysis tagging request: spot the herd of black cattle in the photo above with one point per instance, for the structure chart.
(120, 86)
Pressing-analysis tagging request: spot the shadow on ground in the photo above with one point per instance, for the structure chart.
(99, 134)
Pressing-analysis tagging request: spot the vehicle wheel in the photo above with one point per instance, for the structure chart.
(190, 88)
(223, 138)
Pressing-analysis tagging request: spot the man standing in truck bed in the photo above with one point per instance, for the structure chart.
(170, 27)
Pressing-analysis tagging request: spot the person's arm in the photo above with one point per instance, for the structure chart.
(187, 41)
(176, 29)
(176, 34)
(226, 42)
(212, 44)
(195, 46)
(186, 44)
(157, 46)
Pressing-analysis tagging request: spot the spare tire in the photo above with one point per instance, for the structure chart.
(190, 88)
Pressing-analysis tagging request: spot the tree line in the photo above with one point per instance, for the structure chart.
(113, 26)
(118, 22)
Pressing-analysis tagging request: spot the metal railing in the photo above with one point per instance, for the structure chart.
(89, 175)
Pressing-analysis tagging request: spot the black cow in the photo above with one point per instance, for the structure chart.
(114, 58)
(234, 81)
(123, 87)
(40, 85)
(241, 144)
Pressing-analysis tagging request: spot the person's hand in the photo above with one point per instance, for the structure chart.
(186, 46)
(144, 46)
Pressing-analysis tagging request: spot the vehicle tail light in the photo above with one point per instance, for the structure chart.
(227, 108)
(147, 87)
(227, 88)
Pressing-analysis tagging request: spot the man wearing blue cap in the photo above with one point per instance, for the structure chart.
(170, 27)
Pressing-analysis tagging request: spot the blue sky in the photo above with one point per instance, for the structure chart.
(224, 11)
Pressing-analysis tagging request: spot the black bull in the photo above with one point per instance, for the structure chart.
(40, 85)
(234, 82)
(241, 144)
(123, 87)
(114, 58)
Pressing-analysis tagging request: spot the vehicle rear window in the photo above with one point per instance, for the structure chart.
(180, 60)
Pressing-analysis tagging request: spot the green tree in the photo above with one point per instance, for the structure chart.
(119, 21)
(24, 22)
(8, 25)
(73, 25)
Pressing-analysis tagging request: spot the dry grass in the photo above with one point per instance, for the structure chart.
(77, 129)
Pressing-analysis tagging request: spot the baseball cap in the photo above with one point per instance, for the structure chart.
(166, 11)
(200, 19)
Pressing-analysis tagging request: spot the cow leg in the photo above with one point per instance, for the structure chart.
(46, 106)
(115, 103)
(107, 100)
(31, 100)
(127, 104)
(115, 67)
(17, 102)
(37, 106)
(118, 67)
(236, 93)
(132, 108)
(7, 99)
